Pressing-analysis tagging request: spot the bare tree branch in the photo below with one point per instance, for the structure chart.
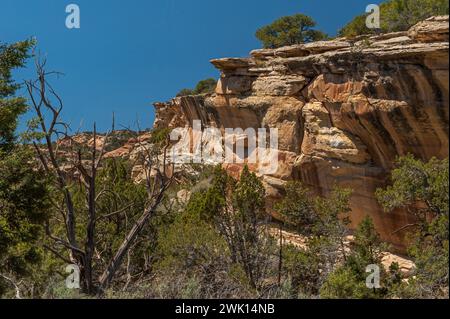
(16, 287)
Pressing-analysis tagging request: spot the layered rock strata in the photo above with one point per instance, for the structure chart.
(344, 109)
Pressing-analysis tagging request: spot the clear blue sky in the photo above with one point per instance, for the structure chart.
(129, 54)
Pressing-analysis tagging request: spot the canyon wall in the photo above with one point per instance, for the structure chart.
(345, 109)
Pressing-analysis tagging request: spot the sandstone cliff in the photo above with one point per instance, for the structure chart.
(345, 109)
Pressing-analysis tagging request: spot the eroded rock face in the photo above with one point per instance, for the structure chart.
(345, 109)
(434, 29)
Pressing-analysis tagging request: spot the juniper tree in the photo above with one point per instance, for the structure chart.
(289, 30)
(23, 187)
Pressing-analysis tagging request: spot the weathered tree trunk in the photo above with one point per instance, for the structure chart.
(108, 275)
(90, 231)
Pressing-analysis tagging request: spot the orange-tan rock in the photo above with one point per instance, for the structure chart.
(345, 109)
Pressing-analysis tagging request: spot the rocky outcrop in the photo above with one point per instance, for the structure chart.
(405, 266)
(345, 109)
(434, 29)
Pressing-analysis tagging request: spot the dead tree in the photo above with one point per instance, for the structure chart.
(157, 184)
(44, 101)
(39, 91)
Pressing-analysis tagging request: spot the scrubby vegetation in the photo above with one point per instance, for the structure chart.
(397, 15)
(203, 87)
(423, 189)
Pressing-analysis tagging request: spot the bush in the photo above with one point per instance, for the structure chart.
(185, 92)
(314, 215)
(349, 280)
(203, 87)
(323, 220)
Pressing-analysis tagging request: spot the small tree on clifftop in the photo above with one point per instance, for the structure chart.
(289, 30)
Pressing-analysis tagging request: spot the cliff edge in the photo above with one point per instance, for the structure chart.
(345, 109)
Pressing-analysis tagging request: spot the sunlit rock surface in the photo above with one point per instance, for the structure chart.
(345, 109)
